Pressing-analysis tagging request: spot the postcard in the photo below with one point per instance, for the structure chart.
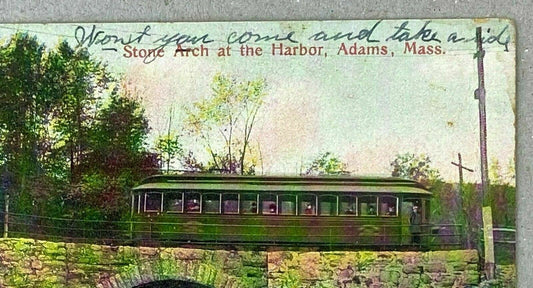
(364, 153)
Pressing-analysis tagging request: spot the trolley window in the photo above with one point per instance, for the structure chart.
(287, 204)
(388, 206)
(192, 202)
(268, 204)
(307, 204)
(174, 202)
(348, 205)
(230, 203)
(368, 205)
(211, 203)
(408, 205)
(152, 201)
(327, 205)
(249, 203)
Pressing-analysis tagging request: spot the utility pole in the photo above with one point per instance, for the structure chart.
(6, 184)
(461, 167)
(460, 199)
(479, 94)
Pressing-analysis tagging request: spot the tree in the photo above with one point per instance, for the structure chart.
(30, 92)
(55, 130)
(79, 81)
(168, 147)
(190, 163)
(118, 137)
(327, 164)
(21, 73)
(227, 117)
(116, 158)
(415, 167)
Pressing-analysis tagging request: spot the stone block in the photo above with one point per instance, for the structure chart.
(390, 276)
(410, 257)
(436, 256)
(435, 267)
(148, 251)
(455, 266)
(309, 266)
(445, 280)
(253, 258)
(189, 254)
(472, 277)
(412, 269)
(53, 247)
(467, 256)
(220, 280)
(36, 264)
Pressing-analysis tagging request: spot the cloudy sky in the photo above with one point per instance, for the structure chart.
(364, 108)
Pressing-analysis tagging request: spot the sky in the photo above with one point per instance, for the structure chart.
(364, 108)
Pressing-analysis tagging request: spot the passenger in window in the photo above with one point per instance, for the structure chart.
(371, 210)
(309, 209)
(272, 208)
(253, 208)
(391, 211)
(193, 205)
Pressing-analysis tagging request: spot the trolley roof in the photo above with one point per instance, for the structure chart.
(326, 184)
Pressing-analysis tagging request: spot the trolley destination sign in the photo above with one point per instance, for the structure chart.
(354, 135)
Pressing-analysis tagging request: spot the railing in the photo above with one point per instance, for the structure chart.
(165, 233)
(68, 230)
(504, 235)
(504, 244)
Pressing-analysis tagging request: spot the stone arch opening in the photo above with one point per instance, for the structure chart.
(172, 284)
(168, 273)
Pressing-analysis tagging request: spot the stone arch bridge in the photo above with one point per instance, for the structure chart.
(35, 263)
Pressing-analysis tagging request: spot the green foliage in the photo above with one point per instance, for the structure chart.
(22, 103)
(78, 79)
(452, 204)
(63, 149)
(118, 136)
(192, 164)
(498, 176)
(224, 122)
(326, 164)
(290, 279)
(168, 147)
(415, 167)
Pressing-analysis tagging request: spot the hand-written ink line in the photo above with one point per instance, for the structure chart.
(248, 36)
(500, 39)
(179, 39)
(403, 34)
(100, 37)
(364, 34)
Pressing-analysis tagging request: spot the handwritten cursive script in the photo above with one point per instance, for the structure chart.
(102, 38)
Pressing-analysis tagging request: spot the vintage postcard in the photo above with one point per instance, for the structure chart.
(375, 153)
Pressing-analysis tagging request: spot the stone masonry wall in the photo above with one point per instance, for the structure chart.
(34, 263)
(373, 269)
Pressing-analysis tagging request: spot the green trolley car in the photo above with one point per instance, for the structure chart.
(314, 211)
